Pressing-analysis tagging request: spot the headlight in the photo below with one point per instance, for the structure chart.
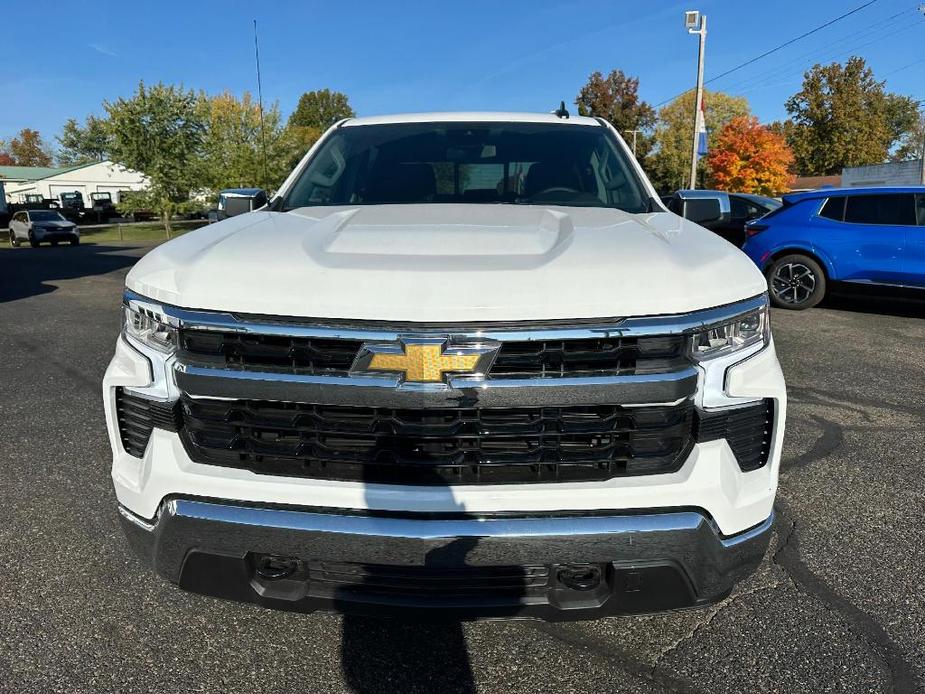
(743, 331)
(147, 323)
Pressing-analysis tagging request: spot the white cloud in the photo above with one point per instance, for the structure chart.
(100, 48)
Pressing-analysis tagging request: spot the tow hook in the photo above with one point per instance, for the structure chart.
(274, 568)
(580, 576)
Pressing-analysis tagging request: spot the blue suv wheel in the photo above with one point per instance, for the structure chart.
(795, 282)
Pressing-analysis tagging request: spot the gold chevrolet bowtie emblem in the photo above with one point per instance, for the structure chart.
(426, 360)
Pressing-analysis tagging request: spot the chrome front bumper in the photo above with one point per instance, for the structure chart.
(636, 562)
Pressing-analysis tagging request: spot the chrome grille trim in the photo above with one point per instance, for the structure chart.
(522, 332)
(208, 382)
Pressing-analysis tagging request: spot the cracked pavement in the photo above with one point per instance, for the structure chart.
(837, 604)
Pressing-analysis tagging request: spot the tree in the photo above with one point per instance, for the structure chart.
(29, 149)
(160, 132)
(82, 145)
(235, 140)
(748, 158)
(615, 98)
(299, 140)
(843, 117)
(320, 110)
(908, 126)
(5, 158)
(669, 167)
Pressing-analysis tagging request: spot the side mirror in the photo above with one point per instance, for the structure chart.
(703, 210)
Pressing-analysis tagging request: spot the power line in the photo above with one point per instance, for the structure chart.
(791, 75)
(822, 54)
(791, 41)
(777, 48)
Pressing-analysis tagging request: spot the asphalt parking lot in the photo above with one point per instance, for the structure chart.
(837, 605)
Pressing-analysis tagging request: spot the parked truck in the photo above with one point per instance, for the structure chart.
(414, 383)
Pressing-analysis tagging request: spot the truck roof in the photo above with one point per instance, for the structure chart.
(471, 117)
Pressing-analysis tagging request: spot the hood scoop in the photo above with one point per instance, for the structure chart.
(474, 232)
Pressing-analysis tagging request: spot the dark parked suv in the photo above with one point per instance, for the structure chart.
(725, 214)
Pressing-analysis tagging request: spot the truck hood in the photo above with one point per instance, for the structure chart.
(448, 263)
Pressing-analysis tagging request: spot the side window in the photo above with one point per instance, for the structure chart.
(738, 207)
(833, 208)
(893, 210)
(920, 209)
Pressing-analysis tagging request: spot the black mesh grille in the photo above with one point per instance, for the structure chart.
(279, 353)
(747, 429)
(438, 446)
(428, 581)
(137, 416)
(541, 358)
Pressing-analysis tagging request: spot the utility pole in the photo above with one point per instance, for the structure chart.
(635, 132)
(696, 23)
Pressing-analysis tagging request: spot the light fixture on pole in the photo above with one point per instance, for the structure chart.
(696, 23)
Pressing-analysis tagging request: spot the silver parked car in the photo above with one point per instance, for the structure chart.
(42, 226)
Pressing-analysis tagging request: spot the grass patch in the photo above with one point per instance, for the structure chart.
(143, 231)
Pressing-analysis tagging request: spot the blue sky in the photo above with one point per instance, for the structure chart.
(422, 56)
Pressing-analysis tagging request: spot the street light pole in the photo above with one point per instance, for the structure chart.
(696, 23)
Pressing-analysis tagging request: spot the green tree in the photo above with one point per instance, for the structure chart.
(615, 98)
(83, 144)
(235, 141)
(843, 117)
(907, 124)
(29, 149)
(299, 139)
(669, 166)
(160, 131)
(320, 110)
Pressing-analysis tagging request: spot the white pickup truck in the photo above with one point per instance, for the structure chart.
(461, 364)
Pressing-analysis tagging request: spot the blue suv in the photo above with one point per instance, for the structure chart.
(862, 236)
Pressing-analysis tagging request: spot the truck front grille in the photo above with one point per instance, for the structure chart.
(445, 446)
(527, 359)
(438, 446)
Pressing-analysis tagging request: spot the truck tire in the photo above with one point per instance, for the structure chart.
(75, 241)
(32, 241)
(14, 242)
(795, 282)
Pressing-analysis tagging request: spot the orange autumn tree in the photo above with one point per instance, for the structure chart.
(746, 157)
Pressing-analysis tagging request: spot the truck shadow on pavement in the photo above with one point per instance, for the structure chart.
(409, 653)
(24, 272)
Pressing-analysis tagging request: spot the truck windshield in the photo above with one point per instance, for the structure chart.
(516, 163)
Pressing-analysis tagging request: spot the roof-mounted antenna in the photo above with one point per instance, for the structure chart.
(561, 112)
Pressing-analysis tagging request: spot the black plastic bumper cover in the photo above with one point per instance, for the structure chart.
(552, 568)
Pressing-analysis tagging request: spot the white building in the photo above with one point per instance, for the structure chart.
(896, 173)
(97, 177)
